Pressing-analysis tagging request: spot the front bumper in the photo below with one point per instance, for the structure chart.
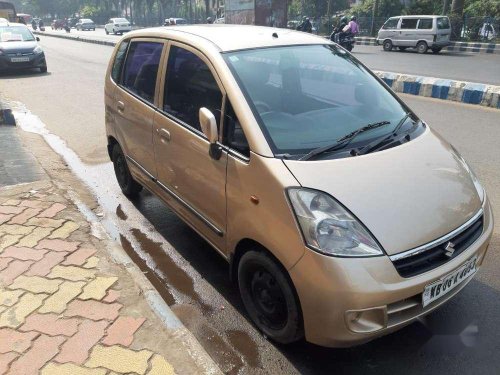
(330, 288)
(35, 61)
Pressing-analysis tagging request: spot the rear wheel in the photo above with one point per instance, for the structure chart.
(387, 45)
(422, 47)
(436, 50)
(130, 187)
(269, 297)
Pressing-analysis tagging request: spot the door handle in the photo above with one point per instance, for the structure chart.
(121, 106)
(164, 134)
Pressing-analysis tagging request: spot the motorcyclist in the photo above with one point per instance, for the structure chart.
(338, 29)
(305, 26)
(352, 27)
(33, 24)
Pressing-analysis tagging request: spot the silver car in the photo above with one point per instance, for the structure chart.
(420, 32)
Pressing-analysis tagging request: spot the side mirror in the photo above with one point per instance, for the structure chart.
(209, 128)
(37, 39)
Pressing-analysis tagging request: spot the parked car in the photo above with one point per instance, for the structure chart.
(174, 21)
(419, 32)
(19, 49)
(220, 20)
(57, 24)
(117, 26)
(343, 216)
(85, 24)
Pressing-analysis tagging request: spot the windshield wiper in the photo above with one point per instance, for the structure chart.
(382, 141)
(343, 141)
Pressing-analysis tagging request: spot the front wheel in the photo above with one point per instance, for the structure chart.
(130, 187)
(269, 298)
(349, 47)
(387, 45)
(107, 32)
(422, 47)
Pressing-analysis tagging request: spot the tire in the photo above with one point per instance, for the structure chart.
(402, 48)
(436, 50)
(422, 47)
(43, 69)
(269, 297)
(107, 33)
(130, 187)
(387, 45)
(349, 47)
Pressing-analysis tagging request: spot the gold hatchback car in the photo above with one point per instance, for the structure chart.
(343, 216)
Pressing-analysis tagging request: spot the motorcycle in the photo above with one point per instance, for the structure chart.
(67, 28)
(346, 41)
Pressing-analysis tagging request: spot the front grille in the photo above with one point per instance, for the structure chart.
(437, 256)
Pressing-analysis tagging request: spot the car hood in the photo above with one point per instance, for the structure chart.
(406, 196)
(18, 46)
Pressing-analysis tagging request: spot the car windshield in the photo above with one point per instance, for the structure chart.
(120, 20)
(15, 34)
(306, 97)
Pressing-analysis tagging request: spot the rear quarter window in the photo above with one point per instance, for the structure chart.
(118, 63)
(425, 24)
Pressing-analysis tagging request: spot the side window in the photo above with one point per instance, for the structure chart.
(391, 23)
(141, 68)
(425, 23)
(118, 63)
(409, 23)
(234, 137)
(190, 85)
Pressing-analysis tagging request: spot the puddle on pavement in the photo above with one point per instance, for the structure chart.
(152, 277)
(119, 212)
(244, 344)
(164, 265)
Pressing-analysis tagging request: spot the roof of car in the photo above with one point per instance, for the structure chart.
(242, 36)
(13, 24)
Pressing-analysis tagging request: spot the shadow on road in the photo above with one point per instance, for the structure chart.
(23, 74)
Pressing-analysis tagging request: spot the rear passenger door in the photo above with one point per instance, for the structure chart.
(193, 182)
(135, 103)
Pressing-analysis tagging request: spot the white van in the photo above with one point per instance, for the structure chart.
(420, 32)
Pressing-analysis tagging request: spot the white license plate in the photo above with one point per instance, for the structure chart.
(446, 284)
(20, 59)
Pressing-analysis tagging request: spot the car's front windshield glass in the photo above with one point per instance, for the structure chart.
(15, 34)
(306, 97)
(121, 20)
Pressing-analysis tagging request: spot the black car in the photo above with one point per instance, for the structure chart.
(19, 49)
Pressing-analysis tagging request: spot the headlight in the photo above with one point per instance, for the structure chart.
(329, 228)
(38, 50)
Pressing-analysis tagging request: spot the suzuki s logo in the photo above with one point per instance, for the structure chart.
(18, 54)
(449, 249)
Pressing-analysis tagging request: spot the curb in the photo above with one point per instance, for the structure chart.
(453, 47)
(77, 38)
(445, 89)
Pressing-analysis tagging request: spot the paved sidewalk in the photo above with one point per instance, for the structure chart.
(66, 307)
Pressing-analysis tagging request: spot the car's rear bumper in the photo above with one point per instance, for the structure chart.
(332, 290)
(35, 61)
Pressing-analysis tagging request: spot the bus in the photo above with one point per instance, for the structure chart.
(8, 11)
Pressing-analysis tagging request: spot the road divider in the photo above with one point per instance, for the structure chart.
(453, 47)
(446, 89)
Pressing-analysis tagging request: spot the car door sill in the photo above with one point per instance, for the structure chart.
(207, 222)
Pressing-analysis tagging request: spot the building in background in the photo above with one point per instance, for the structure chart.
(256, 12)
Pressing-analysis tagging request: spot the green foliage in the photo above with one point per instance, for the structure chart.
(386, 8)
(425, 7)
(89, 11)
(482, 8)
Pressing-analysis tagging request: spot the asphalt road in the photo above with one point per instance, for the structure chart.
(461, 337)
(474, 67)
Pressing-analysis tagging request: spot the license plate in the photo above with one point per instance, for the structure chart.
(446, 284)
(20, 59)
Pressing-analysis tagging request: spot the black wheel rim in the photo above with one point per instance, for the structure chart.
(268, 298)
(121, 171)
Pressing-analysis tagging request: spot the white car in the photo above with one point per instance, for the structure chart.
(117, 26)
